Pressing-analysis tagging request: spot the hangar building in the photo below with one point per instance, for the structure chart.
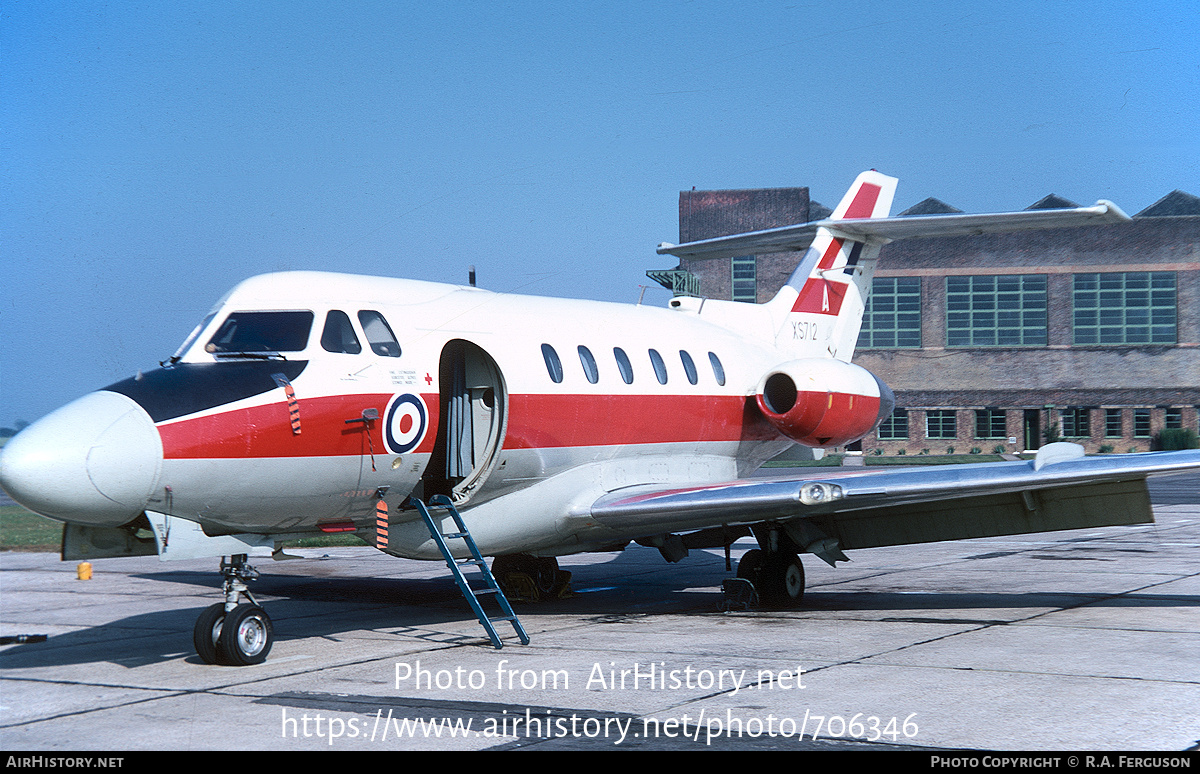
(1000, 342)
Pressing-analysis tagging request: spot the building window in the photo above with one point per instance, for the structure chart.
(745, 279)
(1136, 307)
(1141, 423)
(892, 317)
(895, 427)
(990, 423)
(942, 423)
(1173, 419)
(1075, 423)
(1007, 311)
(1112, 423)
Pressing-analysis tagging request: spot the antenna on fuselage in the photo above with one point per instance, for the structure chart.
(471, 275)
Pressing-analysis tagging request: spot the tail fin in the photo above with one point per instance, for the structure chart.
(821, 306)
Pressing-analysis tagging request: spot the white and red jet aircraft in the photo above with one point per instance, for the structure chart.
(307, 403)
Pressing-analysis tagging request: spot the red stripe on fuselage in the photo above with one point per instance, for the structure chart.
(266, 431)
(535, 421)
(558, 421)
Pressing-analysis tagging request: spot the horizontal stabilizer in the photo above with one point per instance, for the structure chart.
(883, 230)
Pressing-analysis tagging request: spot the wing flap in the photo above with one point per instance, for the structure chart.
(873, 507)
(1111, 504)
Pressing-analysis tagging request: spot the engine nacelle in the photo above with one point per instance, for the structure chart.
(824, 402)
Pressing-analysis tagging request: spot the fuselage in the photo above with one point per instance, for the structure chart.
(305, 397)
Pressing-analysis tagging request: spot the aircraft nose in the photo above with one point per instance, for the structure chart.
(93, 461)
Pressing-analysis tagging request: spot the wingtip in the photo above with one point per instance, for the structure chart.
(1113, 212)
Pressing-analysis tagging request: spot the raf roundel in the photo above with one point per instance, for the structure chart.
(406, 422)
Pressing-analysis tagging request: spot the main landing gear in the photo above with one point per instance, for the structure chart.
(775, 570)
(778, 577)
(233, 633)
(531, 578)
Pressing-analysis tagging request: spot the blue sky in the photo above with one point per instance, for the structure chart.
(154, 154)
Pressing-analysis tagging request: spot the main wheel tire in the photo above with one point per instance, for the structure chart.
(246, 636)
(545, 575)
(207, 634)
(542, 578)
(750, 566)
(781, 582)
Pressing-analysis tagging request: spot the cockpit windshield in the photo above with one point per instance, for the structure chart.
(261, 332)
(191, 339)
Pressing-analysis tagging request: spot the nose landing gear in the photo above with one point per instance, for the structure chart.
(232, 633)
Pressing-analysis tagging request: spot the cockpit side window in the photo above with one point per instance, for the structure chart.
(262, 332)
(379, 334)
(339, 335)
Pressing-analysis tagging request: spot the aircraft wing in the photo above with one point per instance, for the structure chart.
(883, 230)
(829, 509)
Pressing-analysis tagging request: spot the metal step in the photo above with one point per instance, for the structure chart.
(455, 565)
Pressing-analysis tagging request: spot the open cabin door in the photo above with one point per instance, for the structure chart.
(473, 411)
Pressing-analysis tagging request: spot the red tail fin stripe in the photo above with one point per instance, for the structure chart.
(830, 255)
(817, 293)
(863, 204)
(813, 294)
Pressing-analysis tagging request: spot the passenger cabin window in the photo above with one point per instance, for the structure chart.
(660, 368)
(689, 367)
(718, 369)
(379, 334)
(553, 364)
(623, 365)
(339, 335)
(589, 364)
(259, 332)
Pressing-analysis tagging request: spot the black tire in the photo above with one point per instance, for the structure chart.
(545, 575)
(247, 636)
(750, 566)
(207, 634)
(781, 582)
(502, 565)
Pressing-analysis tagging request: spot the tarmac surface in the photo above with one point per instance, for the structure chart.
(1082, 640)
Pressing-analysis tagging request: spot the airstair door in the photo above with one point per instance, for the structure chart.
(473, 413)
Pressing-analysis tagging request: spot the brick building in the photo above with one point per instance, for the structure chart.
(996, 342)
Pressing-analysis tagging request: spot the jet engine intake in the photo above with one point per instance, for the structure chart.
(824, 403)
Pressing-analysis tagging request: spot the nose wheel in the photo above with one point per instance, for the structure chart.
(231, 633)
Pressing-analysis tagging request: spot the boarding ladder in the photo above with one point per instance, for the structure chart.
(491, 588)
